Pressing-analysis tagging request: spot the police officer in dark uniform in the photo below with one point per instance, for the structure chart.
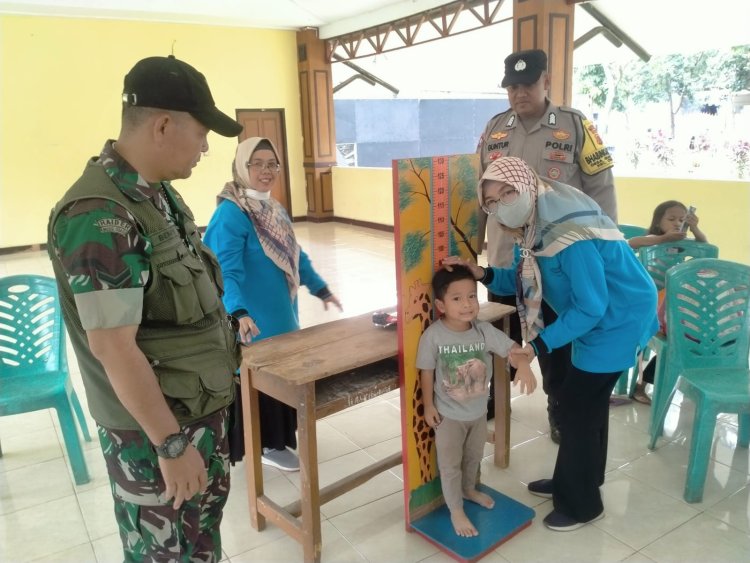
(559, 143)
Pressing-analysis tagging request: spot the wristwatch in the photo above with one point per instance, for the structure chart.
(174, 446)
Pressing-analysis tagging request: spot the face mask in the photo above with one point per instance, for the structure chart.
(517, 213)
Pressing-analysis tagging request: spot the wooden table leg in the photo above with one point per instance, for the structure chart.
(502, 407)
(308, 467)
(253, 448)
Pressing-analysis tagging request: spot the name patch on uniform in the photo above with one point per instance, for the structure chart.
(113, 225)
(497, 146)
(594, 155)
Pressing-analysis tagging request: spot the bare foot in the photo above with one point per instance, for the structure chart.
(480, 498)
(462, 524)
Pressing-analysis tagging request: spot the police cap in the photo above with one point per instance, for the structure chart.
(524, 67)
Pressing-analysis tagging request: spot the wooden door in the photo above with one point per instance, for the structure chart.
(269, 123)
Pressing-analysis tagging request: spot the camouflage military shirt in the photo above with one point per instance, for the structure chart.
(105, 257)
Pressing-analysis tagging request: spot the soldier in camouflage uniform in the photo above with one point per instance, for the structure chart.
(559, 143)
(141, 298)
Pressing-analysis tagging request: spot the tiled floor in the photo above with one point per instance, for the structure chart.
(44, 517)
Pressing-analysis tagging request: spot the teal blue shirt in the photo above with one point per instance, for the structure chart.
(604, 298)
(252, 282)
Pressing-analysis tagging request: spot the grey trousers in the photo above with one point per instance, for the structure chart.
(460, 445)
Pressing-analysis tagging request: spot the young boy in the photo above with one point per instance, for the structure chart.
(453, 360)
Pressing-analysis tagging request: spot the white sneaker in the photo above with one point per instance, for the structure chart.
(285, 459)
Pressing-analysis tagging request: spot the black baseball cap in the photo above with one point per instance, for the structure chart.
(169, 83)
(524, 67)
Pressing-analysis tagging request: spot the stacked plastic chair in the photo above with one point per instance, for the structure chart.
(657, 260)
(629, 378)
(33, 362)
(630, 231)
(708, 341)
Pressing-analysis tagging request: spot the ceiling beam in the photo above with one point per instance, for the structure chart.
(450, 19)
(616, 31)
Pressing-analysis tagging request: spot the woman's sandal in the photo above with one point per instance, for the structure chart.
(639, 395)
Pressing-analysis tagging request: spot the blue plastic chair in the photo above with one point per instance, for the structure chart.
(630, 231)
(33, 361)
(657, 260)
(708, 336)
(629, 378)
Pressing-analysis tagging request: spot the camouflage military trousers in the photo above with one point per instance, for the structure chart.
(150, 529)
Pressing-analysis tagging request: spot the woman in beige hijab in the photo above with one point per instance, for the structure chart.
(263, 267)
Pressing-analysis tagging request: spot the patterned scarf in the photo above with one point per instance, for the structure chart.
(270, 219)
(561, 215)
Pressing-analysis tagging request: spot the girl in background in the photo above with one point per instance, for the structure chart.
(667, 225)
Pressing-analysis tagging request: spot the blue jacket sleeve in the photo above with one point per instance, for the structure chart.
(583, 266)
(502, 281)
(226, 235)
(308, 276)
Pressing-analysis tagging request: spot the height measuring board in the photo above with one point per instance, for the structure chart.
(440, 211)
(435, 216)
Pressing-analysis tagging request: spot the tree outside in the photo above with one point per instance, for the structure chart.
(685, 115)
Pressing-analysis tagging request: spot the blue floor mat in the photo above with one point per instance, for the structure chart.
(495, 526)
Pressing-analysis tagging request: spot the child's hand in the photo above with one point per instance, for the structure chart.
(526, 378)
(692, 221)
(432, 416)
(673, 236)
(518, 355)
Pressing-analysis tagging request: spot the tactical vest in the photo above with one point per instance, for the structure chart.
(184, 332)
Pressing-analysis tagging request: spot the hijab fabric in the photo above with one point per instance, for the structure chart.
(270, 219)
(561, 215)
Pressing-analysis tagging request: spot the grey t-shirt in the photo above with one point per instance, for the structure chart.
(462, 365)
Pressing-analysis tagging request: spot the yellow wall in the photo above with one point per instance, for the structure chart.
(723, 208)
(60, 86)
(366, 194)
(363, 194)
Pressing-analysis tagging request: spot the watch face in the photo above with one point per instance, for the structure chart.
(174, 445)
